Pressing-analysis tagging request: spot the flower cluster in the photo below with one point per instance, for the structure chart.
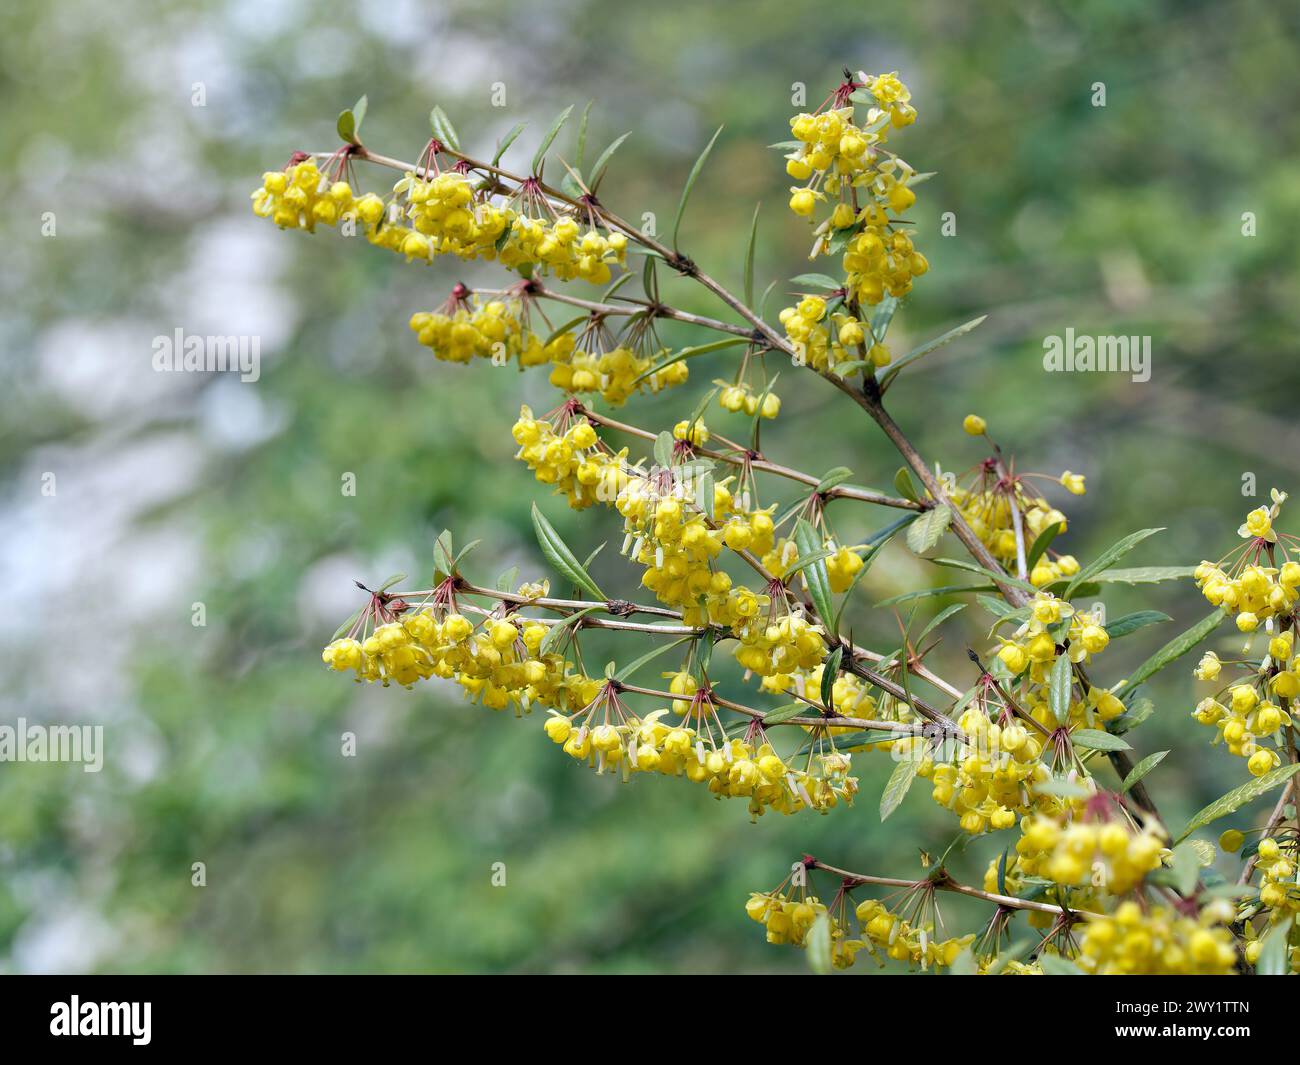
(736, 768)
(990, 506)
(1247, 717)
(432, 214)
(1251, 591)
(788, 919)
(825, 338)
(497, 664)
(301, 197)
(988, 780)
(1032, 648)
(1105, 855)
(741, 398)
(1159, 941)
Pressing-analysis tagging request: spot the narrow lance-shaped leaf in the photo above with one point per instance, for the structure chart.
(1238, 797)
(549, 139)
(1059, 689)
(1142, 769)
(830, 671)
(892, 371)
(558, 554)
(506, 141)
(929, 528)
(1130, 623)
(443, 130)
(815, 575)
(818, 945)
(896, 788)
(1108, 558)
(749, 258)
(690, 183)
(1096, 740)
(1041, 543)
(560, 630)
(599, 167)
(1175, 649)
(816, 281)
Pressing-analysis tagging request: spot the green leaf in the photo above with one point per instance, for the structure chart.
(971, 567)
(883, 316)
(1142, 769)
(1145, 575)
(560, 629)
(817, 281)
(602, 161)
(832, 477)
(1093, 739)
(1061, 788)
(1132, 622)
(444, 557)
(749, 257)
(929, 528)
(877, 541)
(999, 608)
(1041, 543)
(349, 623)
(815, 576)
(1274, 954)
(687, 353)
(831, 670)
(558, 554)
(508, 579)
(932, 593)
(443, 130)
(663, 449)
(397, 578)
(704, 494)
(582, 136)
(818, 945)
(540, 155)
(347, 126)
(649, 657)
(455, 562)
(939, 619)
(506, 141)
(1060, 683)
(690, 184)
(803, 561)
(784, 713)
(560, 330)
(1139, 711)
(359, 110)
(1238, 797)
(1174, 649)
(1055, 965)
(905, 486)
(892, 371)
(896, 788)
(1002, 871)
(1108, 558)
(1186, 868)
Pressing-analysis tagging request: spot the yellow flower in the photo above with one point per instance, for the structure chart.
(1073, 482)
(974, 424)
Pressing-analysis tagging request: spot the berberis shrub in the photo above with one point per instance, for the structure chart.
(1028, 751)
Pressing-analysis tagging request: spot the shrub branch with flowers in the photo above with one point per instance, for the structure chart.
(1026, 749)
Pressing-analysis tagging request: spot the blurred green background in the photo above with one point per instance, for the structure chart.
(223, 741)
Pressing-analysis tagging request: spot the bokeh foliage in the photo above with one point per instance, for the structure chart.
(223, 741)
